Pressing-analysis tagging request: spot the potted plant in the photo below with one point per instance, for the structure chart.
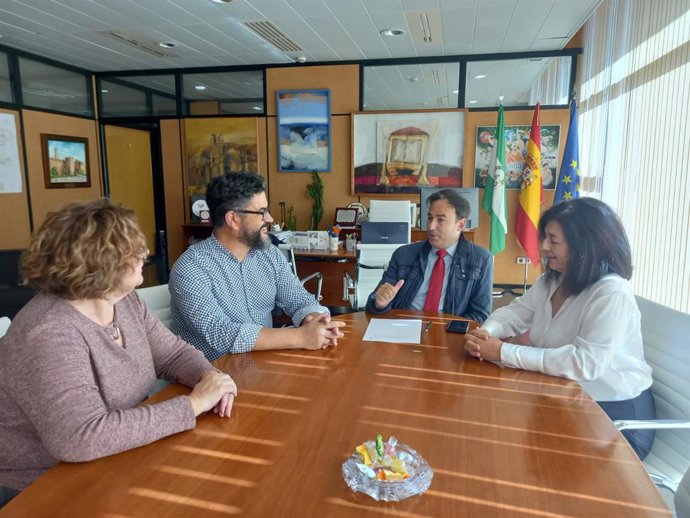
(315, 192)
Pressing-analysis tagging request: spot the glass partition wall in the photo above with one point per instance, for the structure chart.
(474, 82)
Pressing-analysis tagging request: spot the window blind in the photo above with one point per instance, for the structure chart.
(634, 115)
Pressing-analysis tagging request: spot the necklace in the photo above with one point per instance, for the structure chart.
(114, 331)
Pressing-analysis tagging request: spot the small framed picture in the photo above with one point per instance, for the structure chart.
(65, 161)
(346, 217)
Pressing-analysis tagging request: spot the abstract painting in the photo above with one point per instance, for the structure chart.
(304, 130)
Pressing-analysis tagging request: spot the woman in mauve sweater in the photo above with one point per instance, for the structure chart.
(79, 358)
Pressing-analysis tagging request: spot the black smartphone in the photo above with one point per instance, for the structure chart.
(458, 326)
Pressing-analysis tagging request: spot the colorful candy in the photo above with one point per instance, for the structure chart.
(380, 461)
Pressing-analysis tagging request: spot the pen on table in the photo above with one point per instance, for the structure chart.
(428, 326)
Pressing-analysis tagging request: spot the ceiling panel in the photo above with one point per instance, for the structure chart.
(337, 37)
(274, 9)
(363, 31)
(566, 17)
(458, 26)
(339, 7)
(311, 8)
(382, 6)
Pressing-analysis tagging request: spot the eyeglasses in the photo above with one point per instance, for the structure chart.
(261, 213)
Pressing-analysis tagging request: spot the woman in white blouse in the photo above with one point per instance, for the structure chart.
(581, 318)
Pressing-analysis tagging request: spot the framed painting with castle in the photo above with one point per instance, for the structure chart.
(65, 161)
(218, 146)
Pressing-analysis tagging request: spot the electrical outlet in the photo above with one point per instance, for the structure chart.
(522, 260)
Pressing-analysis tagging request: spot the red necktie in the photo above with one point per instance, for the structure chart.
(433, 296)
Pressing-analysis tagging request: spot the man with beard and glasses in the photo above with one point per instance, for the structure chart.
(224, 289)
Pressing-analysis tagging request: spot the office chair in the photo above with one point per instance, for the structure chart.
(664, 334)
(4, 325)
(372, 260)
(289, 254)
(157, 298)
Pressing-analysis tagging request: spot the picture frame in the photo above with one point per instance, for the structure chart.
(401, 152)
(516, 139)
(304, 130)
(65, 161)
(215, 146)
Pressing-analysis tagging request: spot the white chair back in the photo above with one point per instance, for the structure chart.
(372, 260)
(157, 298)
(4, 325)
(666, 338)
(682, 499)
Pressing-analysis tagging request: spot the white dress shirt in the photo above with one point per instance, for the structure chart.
(594, 339)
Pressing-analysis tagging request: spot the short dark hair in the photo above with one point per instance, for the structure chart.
(596, 241)
(232, 191)
(460, 204)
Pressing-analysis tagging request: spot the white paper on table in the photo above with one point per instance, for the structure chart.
(394, 331)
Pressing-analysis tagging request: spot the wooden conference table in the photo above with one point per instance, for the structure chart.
(501, 442)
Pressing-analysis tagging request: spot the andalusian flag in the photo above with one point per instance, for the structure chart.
(529, 203)
(568, 186)
(494, 200)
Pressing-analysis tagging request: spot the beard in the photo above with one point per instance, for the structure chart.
(254, 240)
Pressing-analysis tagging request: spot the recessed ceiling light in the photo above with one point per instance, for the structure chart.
(104, 91)
(474, 101)
(167, 44)
(200, 87)
(392, 32)
(480, 76)
(455, 91)
(257, 108)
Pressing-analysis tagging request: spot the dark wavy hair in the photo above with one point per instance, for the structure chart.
(232, 191)
(460, 204)
(596, 241)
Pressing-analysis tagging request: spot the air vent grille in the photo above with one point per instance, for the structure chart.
(132, 41)
(274, 36)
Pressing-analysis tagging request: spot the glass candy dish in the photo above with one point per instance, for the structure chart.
(360, 477)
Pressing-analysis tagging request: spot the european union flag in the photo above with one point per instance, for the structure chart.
(568, 186)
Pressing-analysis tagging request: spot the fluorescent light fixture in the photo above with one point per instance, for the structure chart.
(426, 27)
(200, 87)
(392, 32)
(104, 91)
(257, 108)
(412, 79)
(474, 101)
(480, 76)
(456, 91)
(167, 44)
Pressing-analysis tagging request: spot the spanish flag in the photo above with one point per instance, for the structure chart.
(529, 203)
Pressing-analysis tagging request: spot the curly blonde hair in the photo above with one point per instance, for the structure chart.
(83, 249)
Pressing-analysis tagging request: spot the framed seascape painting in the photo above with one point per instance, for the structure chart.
(516, 138)
(304, 130)
(65, 161)
(398, 153)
